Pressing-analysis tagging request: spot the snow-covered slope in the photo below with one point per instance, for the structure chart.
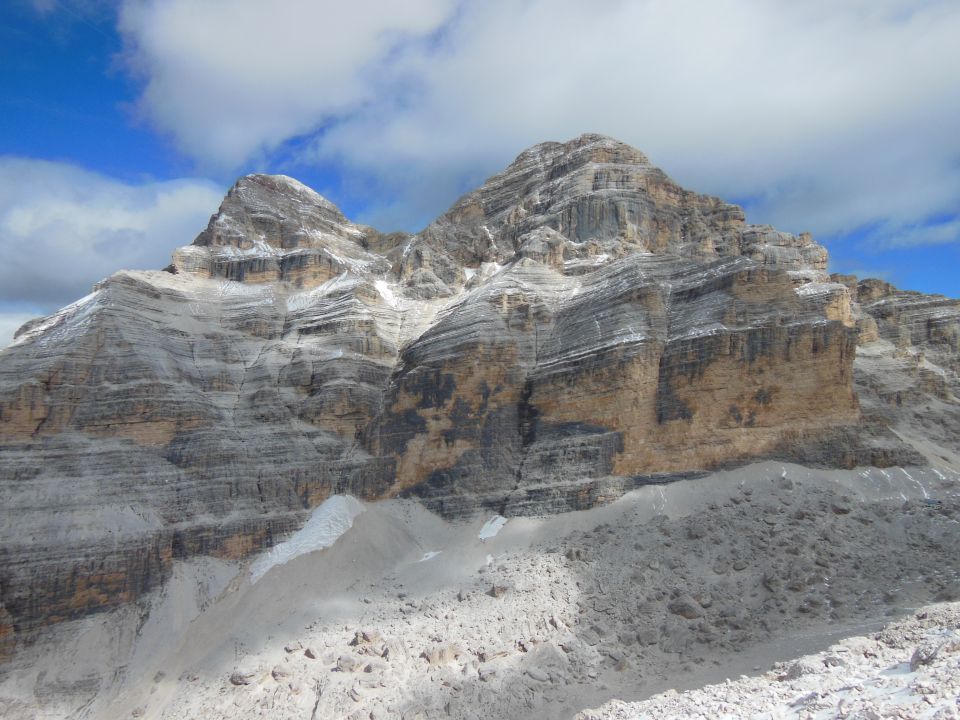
(328, 522)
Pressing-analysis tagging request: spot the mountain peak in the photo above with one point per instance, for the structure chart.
(594, 198)
(273, 209)
(275, 228)
(585, 148)
(280, 186)
(603, 197)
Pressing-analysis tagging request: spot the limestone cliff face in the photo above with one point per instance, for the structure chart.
(575, 327)
(907, 370)
(649, 364)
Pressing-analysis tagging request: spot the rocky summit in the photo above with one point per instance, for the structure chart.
(577, 327)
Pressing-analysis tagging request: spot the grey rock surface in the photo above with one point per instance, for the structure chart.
(577, 327)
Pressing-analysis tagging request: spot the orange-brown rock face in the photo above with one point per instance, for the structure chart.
(577, 326)
(649, 365)
(699, 403)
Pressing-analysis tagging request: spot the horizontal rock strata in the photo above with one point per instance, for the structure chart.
(578, 326)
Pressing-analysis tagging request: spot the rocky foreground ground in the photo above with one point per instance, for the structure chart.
(411, 616)
(910, 669)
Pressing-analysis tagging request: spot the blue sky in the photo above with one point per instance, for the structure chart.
(123, 122)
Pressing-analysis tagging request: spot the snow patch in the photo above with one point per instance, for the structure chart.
(386, 293)
(818, 288)
(429, 555)
(493, 526)
(257, 294)
(328, 522)
(301, 300)
(489, 269)
(70, 320)
(299, 187)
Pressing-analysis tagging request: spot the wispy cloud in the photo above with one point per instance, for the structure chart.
(44, 7)
(934, 232)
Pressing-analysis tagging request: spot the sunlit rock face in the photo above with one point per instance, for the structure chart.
(577, 326)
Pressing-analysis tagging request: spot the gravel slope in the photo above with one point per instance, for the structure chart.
(409, 616)
(911, 669)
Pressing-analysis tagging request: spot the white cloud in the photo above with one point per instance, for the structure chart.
(927, 234)
(10, 322)
(63, 228)
(827, 115)
(231, 78)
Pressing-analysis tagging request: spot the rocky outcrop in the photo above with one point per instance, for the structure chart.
(578, 326)
(271, 228)
(908, 364)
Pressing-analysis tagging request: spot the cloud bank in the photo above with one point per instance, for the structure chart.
(232, 79)
(821, 116)
(63, 228)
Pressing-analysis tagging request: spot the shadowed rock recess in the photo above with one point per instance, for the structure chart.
(577, 327)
